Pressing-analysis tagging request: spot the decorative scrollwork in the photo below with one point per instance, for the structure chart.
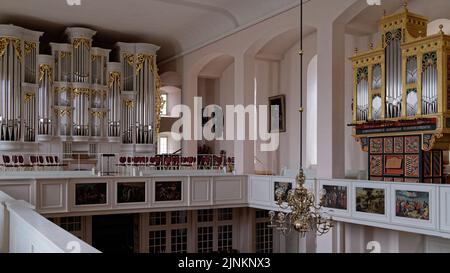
(29, 46)
(45, 69)
(18, 47)
(64, 54)
(141, 58)
(129, 58)
(114, 77)
(81, 91)
(63, 112)
(28, 97)
(428, 141)
(77, 42)
(364, 142)
(429, 59)
(129, 103)
(17, 44)
(98, 114)
(4, 42)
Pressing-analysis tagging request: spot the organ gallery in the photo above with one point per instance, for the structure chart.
(401, 109)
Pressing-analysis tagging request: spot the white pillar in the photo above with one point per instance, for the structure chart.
(244, 74)
(330, 98)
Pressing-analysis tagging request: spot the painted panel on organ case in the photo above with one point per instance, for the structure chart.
(412, 144)
(398, 145)
(376, 145)
(412, 165)
(388, 145)
(376, 165)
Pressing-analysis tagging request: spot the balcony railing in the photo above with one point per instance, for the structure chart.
(23, 230)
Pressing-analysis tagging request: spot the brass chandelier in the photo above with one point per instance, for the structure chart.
(297, 208)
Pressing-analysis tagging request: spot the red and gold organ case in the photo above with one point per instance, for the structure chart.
(401, 101)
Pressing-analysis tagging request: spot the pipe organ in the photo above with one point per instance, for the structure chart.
(76, 94)
(401, 109)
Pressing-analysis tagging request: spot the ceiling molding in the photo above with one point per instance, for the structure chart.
(196, 5)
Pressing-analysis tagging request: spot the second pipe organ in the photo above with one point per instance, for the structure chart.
(401, 106)
(75, 93)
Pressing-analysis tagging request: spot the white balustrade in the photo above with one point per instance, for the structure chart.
(23, 230)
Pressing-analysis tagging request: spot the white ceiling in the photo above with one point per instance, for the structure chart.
(367, 21)
(175, 25)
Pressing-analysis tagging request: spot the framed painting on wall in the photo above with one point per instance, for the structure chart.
(90, 194)
(277, 115)
(335, 197)
(285, 186)
(414, 205)
(131, 192)
(371, 201)
(168, 191)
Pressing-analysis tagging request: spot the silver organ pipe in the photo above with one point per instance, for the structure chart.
(429, 83)
(114, 99)
(362, 94)
(393, 74)
(45, 98)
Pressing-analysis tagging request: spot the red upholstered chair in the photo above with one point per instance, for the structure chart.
(41, 162)
(167, 162)
(6, 163)
(34, 162)
(158, 162)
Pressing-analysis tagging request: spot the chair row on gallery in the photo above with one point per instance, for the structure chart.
(177, 162)
(30, 162)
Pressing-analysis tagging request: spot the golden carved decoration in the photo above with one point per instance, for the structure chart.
(129, 103)
(28, 97)
(98, 92)
(63, 54)
(43, 69)
(98, 114)
(81, 91)
(18, 47)
(427, 144)
(141, 58)
(77, 42)
(114, 77)
(63, 112)
(129, 58)
(3, 45)
(17, 43)
(29, 46)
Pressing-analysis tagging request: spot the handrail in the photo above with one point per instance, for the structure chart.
(26, 231)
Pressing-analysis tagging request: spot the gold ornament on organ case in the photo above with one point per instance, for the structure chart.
(43, 69)
(114, 77)
(17, 44)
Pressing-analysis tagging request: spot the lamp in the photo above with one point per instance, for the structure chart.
(297, 208)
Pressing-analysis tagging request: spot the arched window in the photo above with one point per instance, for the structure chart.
(311, 113)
